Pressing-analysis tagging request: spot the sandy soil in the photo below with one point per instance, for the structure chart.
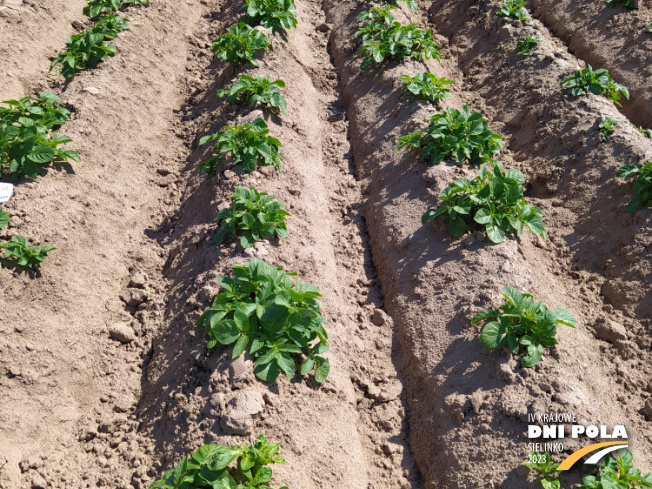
(104, 380)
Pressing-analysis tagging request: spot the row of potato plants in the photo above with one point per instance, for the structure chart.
(28, 137)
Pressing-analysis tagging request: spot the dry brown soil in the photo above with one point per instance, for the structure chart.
(104, 379)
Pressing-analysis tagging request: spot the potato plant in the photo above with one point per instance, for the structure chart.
(279, 323)
(598, 82)
(274, 15)
(607, 125)
(514, 9)
(83, 51)
(4, 219)
(623, 3)
(642, 184)
(240, 44)
(645, 132)
(253, 216)
(382, 42)
(25, 255)
(211, 466)
(249, 145)
(26, 140)
(493, 199)
(256, 91)
(111, 25)
(456, 134)
(427, 86)
(412, 4)
(542, 463)
(524, 326)
(526, 45)
(617, 473)
(97, 8)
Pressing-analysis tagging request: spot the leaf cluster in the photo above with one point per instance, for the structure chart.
(624, 3)
(276, 321)
(97, 8)
(618, 473)
(526, 45)
(494, 199)
(252, 215)
(26, 255)
(456, 133)
(208, 467)
(598, 82)
(514, 9)
(249, 145)
(375, 21)
(396, 41)
(410, 3)
(547, 468)
(642, 184)
(256, 90)
(645, 132)
(427, 86)
(606, 126)
(111, 25)
(26, 140)
(239, 44)
(274, 15)
(648, 27)
(4, 219)
(84, 50)
(524, 326)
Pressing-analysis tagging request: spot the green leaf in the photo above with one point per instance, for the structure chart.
(323, 369)
(493, 335)
(457, 227)
(41, 154)
(564, 317)
(495, 233)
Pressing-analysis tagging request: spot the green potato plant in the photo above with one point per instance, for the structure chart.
(382, 42)
(26, 255)
(617, 473)
(526, 45)
(457, 134)
(209, 466)
(412, 4)
(256, 91)
(642, 184)
(83, 51)
(253, 215)
(274, 15)
(606, 126)
(239, 44)
(26, 140)
(4, 219)
(645, 132)
(427, 86)
(624, 3)
(97, 8)
(377, 19)
(514, 9)
(494, 199)
(276, 321)
(249, 145)
(598, 82)
(542, 463)
(111, 25)
(524, 326)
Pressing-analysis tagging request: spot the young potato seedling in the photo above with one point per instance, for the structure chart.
(111, 26)
(526, 45)
(25, 138)
(606, 126)
(209, 467)
(274, 15)
(524, 326)
(377, 20)
(412, 4)
(598, 82)
(457, 134)
(642, 184)
(514, 9)
(617, 473)
(494, 199)
(249, 145)
(26, 255)
(256, 91)
(239, 44)
(645, 132)
(253, 215)
(83, 51)
(381, 42)
(96, 8)
(542, 463)
(276, 321)
(427, 86)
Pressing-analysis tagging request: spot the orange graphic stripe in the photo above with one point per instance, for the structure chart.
(571, 459)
